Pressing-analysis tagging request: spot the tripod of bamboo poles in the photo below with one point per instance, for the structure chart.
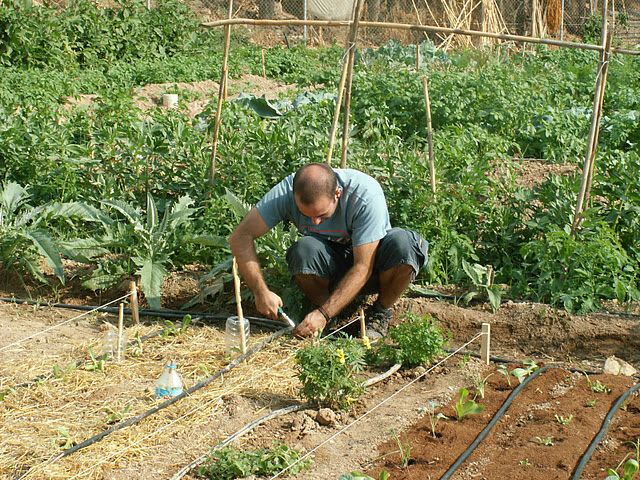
(596, 115)
(222, 95)
(344, 89)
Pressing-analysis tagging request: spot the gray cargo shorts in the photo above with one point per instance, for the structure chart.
(316, 256)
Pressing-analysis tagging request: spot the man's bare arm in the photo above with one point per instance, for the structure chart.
(242, 243)
(346, 290)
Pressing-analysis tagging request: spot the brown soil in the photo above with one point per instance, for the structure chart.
(529, 441)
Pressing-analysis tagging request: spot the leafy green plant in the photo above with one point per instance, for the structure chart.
(591, 403)
(521, 373)
(328, 371)
(115, 415)
(62, 371)
(415, 341)
(482, 280)
(150, 243)
(480, 384)
(404, 449)
(230, 463)
(629, 470)
(503, 369)
(597, 386)
(464, 407)
(65, 440)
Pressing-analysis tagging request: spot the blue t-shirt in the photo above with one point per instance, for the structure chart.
(361, 215)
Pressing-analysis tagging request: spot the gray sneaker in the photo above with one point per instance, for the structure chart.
(378, 321)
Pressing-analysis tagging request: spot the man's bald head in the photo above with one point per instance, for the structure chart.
(314, 181)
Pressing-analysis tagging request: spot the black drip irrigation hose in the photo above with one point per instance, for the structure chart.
(603, 430)
(481, 436)
(133, 420)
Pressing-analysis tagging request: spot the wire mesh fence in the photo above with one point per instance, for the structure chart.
(560, 19)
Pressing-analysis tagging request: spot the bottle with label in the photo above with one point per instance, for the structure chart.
(232, 340)
(110, 343)
(169, 384)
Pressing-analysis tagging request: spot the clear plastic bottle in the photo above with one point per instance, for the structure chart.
(232, 335)
(110, 343)
(169, 384)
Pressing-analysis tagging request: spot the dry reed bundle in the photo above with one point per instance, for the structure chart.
(538, 19)
(554, 15)
(458, 14)
(492, 21)
(37, 422)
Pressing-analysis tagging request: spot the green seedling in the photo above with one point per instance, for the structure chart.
(464, 407)
(95, 364)
(564, 420)
(114, 416)
(503, 370)
(590, 403)
(5, 392)
(546, 441)
(135, 349)
(629, 470)
(384, 475)
(597, 386)
(404, 449)
(464, 361)
(521, 373)
(525, 462)
(434, 417)
(65, 440)
(60, 372)
(480, 384)
(172, 330)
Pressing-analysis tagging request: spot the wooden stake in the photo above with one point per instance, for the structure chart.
(417, 57)
(363, 328)
(120, 332)
(336, 112)
(236, 287)
(222, 95)
(419, 28)
(135, 314)
(347, 94)
(264, 68)
(432, 165)
(485, 345)
(592, 143)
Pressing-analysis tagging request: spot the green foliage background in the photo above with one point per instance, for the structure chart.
(491, 108)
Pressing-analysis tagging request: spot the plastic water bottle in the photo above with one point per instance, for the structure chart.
(232, 340)
(110, 343)
(169, 384)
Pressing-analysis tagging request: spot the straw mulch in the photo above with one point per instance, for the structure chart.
(38, 422)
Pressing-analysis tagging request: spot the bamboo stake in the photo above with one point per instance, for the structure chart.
(336, 112)
(427, 102)
(592, 142)
(485, 343)
(418, 28)
(135, 314)
(363, 327)
(236, 288)
(417, 57)
(264, 69)
(347, 93)
(120, 332)
(222, 95)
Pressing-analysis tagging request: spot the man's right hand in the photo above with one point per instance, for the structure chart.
(268, 303)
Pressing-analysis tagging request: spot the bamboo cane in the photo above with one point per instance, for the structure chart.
(419, 28)
(347, 93)
(120, 332)
(363, 327)
(222, 95)
(427, 102)
(264, 69)
(236, 288)
(592, 141)
(135, 314)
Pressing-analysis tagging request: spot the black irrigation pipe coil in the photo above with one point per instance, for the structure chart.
(481, 436)
(603, 430)
(133, 420)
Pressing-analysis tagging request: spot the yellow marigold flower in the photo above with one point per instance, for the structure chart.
(366, 343)
(341, 357)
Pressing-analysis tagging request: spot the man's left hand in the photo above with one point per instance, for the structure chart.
(313, 323)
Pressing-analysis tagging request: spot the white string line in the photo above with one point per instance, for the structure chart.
(376, 406)
(62, 323)
(201, 406)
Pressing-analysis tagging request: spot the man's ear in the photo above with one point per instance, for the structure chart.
(338, 192)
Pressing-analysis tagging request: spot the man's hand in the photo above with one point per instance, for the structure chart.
(268, 303)
(313, 323)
